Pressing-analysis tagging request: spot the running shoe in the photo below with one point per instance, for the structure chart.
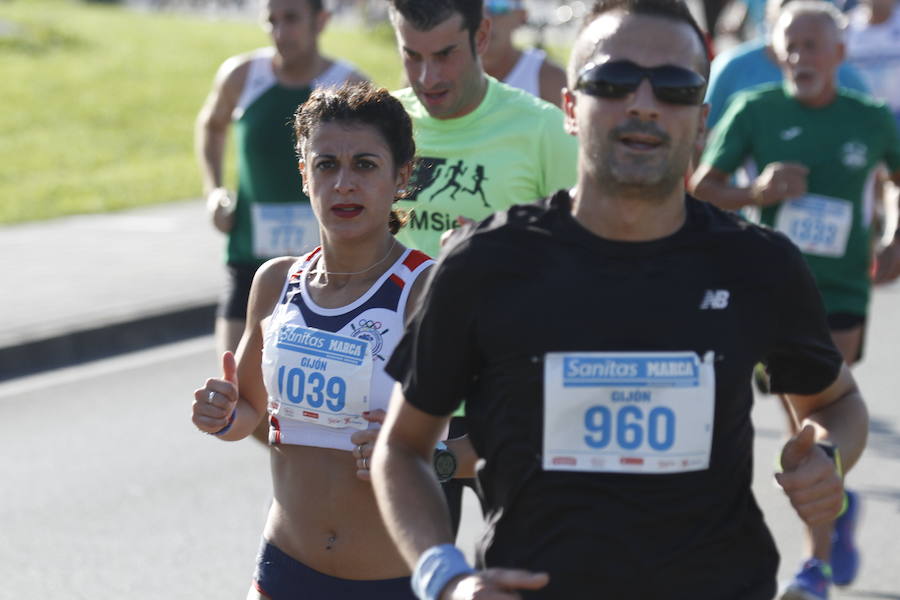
(810, 583)
(844, 552)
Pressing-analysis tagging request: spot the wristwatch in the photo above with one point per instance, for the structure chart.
(444, 462)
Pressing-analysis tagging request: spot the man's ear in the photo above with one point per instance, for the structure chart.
(568, 106)
(704, 119)
(482, 36)
(842, 50)
(301, 166)
(322, 20)
(702, 132)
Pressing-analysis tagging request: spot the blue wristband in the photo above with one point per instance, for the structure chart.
(435, 568)
(227, 425)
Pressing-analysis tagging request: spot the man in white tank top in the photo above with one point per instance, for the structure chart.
(529, 69)
(254, 97)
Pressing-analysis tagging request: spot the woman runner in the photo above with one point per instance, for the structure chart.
(319, 330)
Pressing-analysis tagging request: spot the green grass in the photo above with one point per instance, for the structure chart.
(98, 102)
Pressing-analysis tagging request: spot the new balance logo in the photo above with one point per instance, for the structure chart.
(715, 300)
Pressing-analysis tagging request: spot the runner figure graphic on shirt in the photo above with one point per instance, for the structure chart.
(426, 174)
(479, 177)
(457, 170)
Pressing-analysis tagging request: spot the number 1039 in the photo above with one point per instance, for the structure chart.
(293, 384)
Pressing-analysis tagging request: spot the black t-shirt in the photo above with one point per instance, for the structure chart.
(532, 280)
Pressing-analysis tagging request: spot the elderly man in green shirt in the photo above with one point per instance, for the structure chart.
(812, 149)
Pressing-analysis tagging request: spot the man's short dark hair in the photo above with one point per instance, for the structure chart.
(425, 15)
(676, 10)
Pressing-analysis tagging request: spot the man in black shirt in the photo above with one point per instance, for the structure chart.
(603, 341)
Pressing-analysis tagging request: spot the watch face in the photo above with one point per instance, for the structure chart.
(444, 465)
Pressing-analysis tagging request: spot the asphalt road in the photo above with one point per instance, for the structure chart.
(109, 492)
(876, 477)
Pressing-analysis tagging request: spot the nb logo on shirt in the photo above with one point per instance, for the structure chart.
(715, 300)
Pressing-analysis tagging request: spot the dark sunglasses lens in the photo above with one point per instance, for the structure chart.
(610, 80)
(677, 85)
(617, 79)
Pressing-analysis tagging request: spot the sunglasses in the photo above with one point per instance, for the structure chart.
(618, 78)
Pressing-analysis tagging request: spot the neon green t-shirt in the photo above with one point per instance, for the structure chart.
(841, 144)
(512, 149)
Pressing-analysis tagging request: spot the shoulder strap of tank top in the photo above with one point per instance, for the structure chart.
(336, 74)
(296, 272)
(525, 74)
(260, 77)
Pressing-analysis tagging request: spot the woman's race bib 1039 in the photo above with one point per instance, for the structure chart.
(321, 377)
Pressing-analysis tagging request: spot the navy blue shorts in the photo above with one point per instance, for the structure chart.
(234, 298)
(842, 321)
(280, 577)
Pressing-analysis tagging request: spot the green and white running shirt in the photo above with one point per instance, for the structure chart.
(841, 144)
(273, 216)
(512, 149)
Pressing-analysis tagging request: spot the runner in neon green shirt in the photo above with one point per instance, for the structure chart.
(482, 145)
(511, 149)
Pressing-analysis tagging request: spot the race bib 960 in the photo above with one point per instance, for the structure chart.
(630, 412)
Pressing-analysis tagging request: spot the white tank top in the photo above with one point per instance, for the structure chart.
(526, 74)
(261, 77)
(324, 367)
